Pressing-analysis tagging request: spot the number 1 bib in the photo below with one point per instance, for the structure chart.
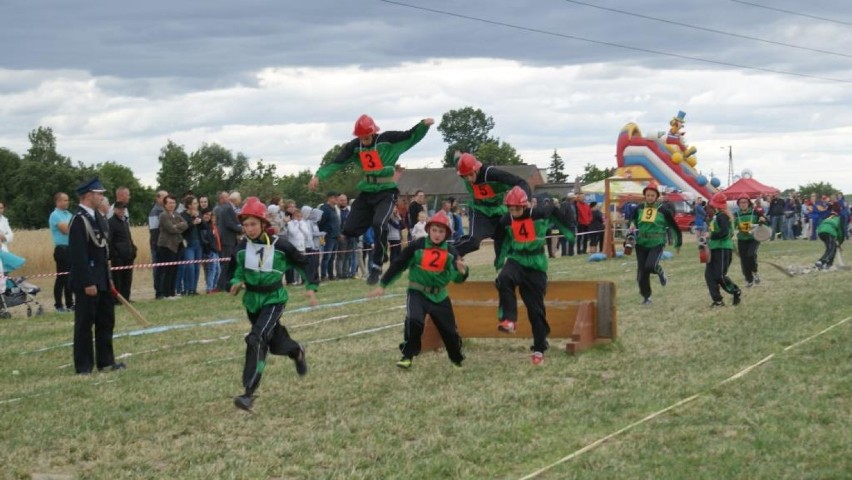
(370, 160)
(434, 260)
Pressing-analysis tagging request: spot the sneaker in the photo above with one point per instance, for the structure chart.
(537, 358)
(61, 310)
(301, 363)
(720, 303)
(113, 367)
(819, 265)
(647, 301)
(243, 402)
(404, 363)
(756, 279)
(457, 364)
(506, 326)
(663, 278)
(736, 299)
(749, 284)
(375, 273)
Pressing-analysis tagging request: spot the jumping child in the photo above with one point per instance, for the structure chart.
(524, 266)
(432, 264)
(376, 154)
(721, 246)
(830, 231)
(652, 219)
(260, 262)
(745, 219)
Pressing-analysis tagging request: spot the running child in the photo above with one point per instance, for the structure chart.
(830, 231)
(745, 220)
(652, 218)
(719, 240)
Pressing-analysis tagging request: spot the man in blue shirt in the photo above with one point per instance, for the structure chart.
(59, 222)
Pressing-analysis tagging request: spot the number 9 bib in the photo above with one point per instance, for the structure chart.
(649, 215)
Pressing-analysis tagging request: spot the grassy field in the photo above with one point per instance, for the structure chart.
(356, 416)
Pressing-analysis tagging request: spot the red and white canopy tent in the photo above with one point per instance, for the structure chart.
(749, 187)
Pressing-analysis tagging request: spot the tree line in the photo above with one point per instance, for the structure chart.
(29, 181)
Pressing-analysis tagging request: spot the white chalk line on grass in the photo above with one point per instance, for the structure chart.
(737, 375)
(181, 326)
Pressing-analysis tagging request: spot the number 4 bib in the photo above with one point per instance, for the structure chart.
(523, 230)
(434, 260)
(370, 160)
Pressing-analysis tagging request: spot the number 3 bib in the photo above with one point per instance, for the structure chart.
(370, 160)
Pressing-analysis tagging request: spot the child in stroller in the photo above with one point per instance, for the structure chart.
(15, 291)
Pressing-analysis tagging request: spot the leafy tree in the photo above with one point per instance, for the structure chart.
(296, 187)
(591, 173)
(207, 168)
(9, 162)
(236, 173)
(113, 176)
(495, 152)
(344, 180)
(261, 181)
(465, 129)
(821, 188)
(174, 175)
(556, 170)
(43, 148)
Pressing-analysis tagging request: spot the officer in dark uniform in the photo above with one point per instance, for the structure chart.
(90, 281)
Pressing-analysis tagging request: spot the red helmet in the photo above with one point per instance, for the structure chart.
(440, 218)
(467, 164)
(719, 200)
(365, 126)
(652, 185)
(253, 208)
(743, 197)
(516, 197)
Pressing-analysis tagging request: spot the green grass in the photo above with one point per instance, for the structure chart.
(355, 415)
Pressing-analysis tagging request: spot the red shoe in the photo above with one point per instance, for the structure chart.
(537, 358)
(506, 326)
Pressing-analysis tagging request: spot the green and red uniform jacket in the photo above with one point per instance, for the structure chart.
(378, 160)
(526, 235)
(652, 219)
(720, 232)
(489, 188)
(744, 221)
(430, 268)
(261, 264)
(833, 227)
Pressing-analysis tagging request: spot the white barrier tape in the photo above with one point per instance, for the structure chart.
(737, 375)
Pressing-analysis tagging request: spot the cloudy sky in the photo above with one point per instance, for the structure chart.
(284, 81)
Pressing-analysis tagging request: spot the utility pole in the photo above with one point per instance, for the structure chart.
(730, 164)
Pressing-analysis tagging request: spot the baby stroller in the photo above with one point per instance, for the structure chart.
(16, 291)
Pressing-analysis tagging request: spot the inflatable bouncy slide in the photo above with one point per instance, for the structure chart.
(665, 157)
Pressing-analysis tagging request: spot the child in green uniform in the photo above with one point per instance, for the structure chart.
(524, 266)
(432, 264)
(259, 265)
(830, 231)
(745, 220)
(652, 219)
(721, 250)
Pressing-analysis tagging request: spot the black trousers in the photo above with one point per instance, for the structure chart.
(830, 248)
(372, 210)
(267, 335)
(482, 226)
(155, 272)
(716, 274)
(532, 285)
(123, 279)
(227, 268)
(647, 262)
(582, 239)
(61, 287)
(167, 273)
(417, 307)
(748, 258)
(97, 311)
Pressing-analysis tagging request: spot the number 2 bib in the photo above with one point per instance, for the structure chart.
(434, 260)
(370, 160)
(523, 230)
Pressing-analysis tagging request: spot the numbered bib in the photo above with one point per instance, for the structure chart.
(745, 227)
(649, 215)
(482, 191)
(259, 257)
(370, 160)
(523, 230)
(434, 260)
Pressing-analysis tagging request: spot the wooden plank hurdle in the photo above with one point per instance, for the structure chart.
(581, 311)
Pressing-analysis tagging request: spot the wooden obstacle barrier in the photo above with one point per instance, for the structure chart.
(581, 311)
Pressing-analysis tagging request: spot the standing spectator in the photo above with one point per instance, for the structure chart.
(6, 234)
(103, 207)
(395, 225)
(154, 231)
(203, 203)
(418, 231)
(452, 210)
(296, 236)
(584, 220)
(700, 217)
(345, 245)
(122, 194)
(367, 241)
(311, 217)
(568, 212)
(776, 215)
(229, 230)
(415, 206)
(211, 247)
(789, 218)
(596, 228)
(122, 250)
(844, 215)
(330, 224)
(192, 246)
(170, 244)
(90, 280)
(60, 222)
